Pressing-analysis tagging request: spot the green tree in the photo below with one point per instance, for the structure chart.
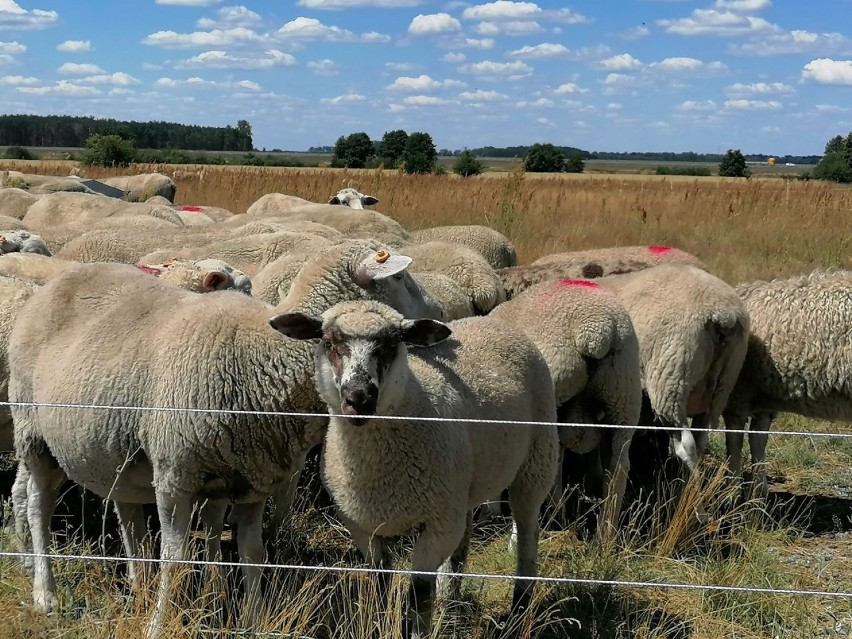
(574, 163)
(244, 133)
(392, 147)
(420, 153)
(18, 153)
(733, 164)
(352, 151)
(467, 164)
(108, 150)
(834, 166)
(544, 158)
(835, 145)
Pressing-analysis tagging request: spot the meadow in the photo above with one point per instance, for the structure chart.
(742, 229)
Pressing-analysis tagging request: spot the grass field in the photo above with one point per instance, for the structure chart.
(742, 229)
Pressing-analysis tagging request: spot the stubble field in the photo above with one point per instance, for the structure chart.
(743, 229)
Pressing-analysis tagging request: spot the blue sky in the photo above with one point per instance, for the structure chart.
(765, 76)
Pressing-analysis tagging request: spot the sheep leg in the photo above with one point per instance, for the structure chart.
(283, 500)
(131, 521)
(249, 519)
(373, 548)
(734, 444)
(175, 512)
(757, 439)
(449, 587)
(525, 509)
(19, 510)
(45, 477)
(212, 513)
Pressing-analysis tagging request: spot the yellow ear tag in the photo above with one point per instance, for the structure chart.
(382, 257)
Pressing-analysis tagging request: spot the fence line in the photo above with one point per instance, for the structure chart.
(626, 583)
(466, 420)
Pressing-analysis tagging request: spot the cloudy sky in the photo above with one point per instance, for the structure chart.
(766, 76)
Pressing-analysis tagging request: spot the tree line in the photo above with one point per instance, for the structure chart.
(73, 131)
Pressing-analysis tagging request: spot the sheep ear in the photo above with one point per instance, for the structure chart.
(214, 280)
(424, 332)
(334, 200)
(369, 200)
(377, 266)
(297, 325)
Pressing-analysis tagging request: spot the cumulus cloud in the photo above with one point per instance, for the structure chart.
(692, 105)
(716, 23)
(753, 105)
(687, 64)
(190, 3)
(454, 57)
(512, 28)
(71, 68)
(420, 83)
(621, 62)
(196, 39)
(481, 96)
(201, 83)
(828, 71)
(830, 108)
(62, 87)
(356, 4)
(324, 67)
(12, 16)
(541, 103)
(794, 42)
(18, 80)
(743, 5)
(12, 48)
(759, 88)
(569, 87)
(75, 46)
(345, 98)
(311, 29)
(229, 17)
(543, 50)
(501, 10)
(434, 24)
(635, 33)
(221, 60)
(425, 100)
(117, 79)
(503, 69)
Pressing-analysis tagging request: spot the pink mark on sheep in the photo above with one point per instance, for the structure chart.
(192, 209)
(585, 283)
(659, 249)
(151, 270)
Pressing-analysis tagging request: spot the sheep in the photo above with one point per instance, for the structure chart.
(108, 333)
(274, 203)
(12, 223)
(693, 334)
(44, 183)
(215, 213)
(592, 264)
(271, 225)
(798, 361)
(202, 276)
(389, 476)
(63, 208)
(587, 339)
(353, 198)
(21, 241)
(493, 245)
(447, 292)
(33, 267)
(14, 293)
(465, 266)
(14, 202)
(141, 187)
(126, 226)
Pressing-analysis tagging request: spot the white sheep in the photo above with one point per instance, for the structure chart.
(274, 203)
(201, 276)
(592, 264)
(693, 334)
(12, 223)
(14, 202)
(14, 292)
(125, 338)
(353, 198)
(20, 241)
(140, 187)
(799, 360)
(446, 291)
(493, 245)
(587, 339)
(388, 477)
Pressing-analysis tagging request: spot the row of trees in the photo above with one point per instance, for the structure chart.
(73, 131)
(836, 164)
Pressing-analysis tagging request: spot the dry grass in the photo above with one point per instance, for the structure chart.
(743, 230)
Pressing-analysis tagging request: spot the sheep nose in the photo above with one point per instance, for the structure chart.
(360, 400)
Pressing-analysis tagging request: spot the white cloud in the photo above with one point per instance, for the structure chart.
(81, 69)
(514, 28)
(425, 100)
(473, 43)
(190, 3)
(8, 49)
(692, 65)
(12, 16)
(62, 87)
(214, 38)
(454, 57)
(543, 50)
(311, 29)
(569, 87)
(635, 33)
(222, 60)
(830, 108)
(743, 5)
(343, 99)
(399, 66)
(418, 84)
(118, 79)
(75, 46)
(501, 10)
(759, 88)
(201, 83)
(18, 80)
(716, 23)
(356, 4)
(794, 42)
(828, 71)
(753, 105)
(324, 67)
(488, 68)
(481, 96)
(614, 106)
(541, 103)
(621, 62)
(228, 17)
(692, 105)
(435, 23)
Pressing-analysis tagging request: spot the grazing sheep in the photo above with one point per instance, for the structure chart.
(352, 223)
(203, 276)
(14, 292)
(12, 223)
(353, 198)
(21, 241)
(592, 264)
(493, 245)
(465, 266)
(693, 334)
(587, 339)
(63, 208)
(146, 185)
(215, 213)
(388, 477)
(453, 298)
(274, 203)
(107, 333)
(33, 267)
(15, 202)
(799, 360)
(271, 225)
(125, 226)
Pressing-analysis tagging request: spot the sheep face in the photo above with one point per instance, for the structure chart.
(353, 198)
(20, 241)
(361, 358)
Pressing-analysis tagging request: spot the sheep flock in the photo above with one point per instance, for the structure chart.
(248, 341)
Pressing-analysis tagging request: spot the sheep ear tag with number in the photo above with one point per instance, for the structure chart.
(384, 264)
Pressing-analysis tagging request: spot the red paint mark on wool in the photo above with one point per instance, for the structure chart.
(151, 270)
(191, 209)
(585, 283)
(659, 249)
